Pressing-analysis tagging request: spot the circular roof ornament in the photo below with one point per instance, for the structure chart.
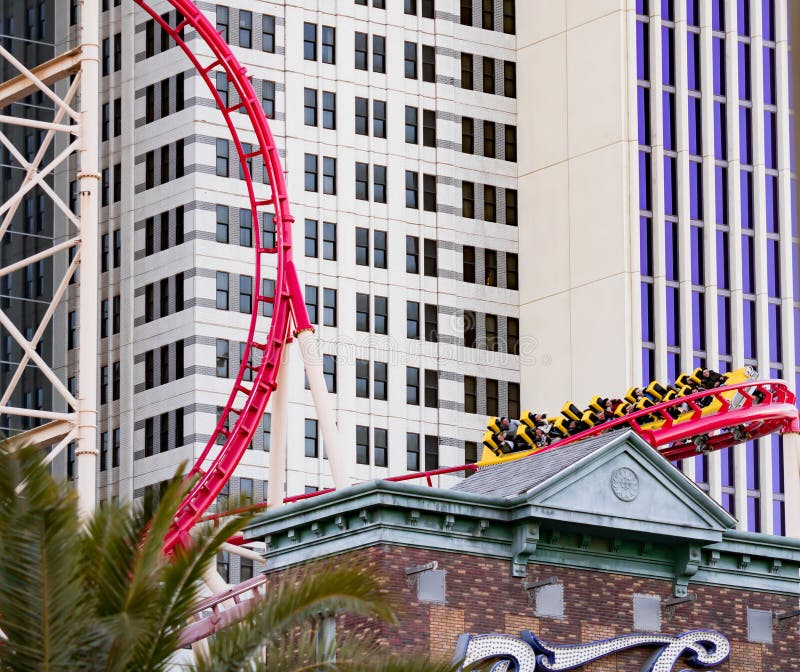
(625, 484)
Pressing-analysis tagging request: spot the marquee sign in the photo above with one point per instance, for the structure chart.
(528, 653)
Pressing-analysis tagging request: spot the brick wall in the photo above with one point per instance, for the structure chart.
(482, 597)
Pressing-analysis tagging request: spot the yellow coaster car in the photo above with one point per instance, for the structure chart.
(655, 393)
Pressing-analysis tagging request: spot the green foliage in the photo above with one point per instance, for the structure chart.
(102, 596)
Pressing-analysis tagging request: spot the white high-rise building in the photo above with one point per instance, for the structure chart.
(481, 224)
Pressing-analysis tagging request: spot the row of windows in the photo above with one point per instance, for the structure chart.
(375, 453)
(168, 234)
(410, 51)
(380, 252)
(116, 379)
(329, 309)
(489, 202)
(165, 41)
(429, 197)
(361, 42)
(105, 57)
(222, 233)
(310, 107)
(488, 80)
(171, 155)
(163, 432)
(490, 276)
(487, 18)
(380, 378)
(104, 448)
(430, 266)
(380, 324)
(428, 126)
(246, 28)
(492, 338)
(490, 147)
(34, 283)
(162, 355)
(312, 182)
(245, 292)
(491, 392)
(106, 185)
(161, 290)
(327, 52)
(431, 389)
(311, 243)
(222, 87)
(164, 88)
(413, 458)
(430, 327)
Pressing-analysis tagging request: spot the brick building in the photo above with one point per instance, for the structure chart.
(600, 539)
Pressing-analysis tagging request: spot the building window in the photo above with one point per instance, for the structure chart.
(362, 378)
(328, 44)
(410, 53)
(222, 290)
(103, 450)
(268, 98)
(428, 64)
(380, 385)
(224, 561)
(149, 303)
(412, 254)
(490, 267)
(381, 445)
(489, 203)
(431, 323)
(467, 80)
(245, 29)
(329, 372)
(362, 444)
(362, 115)
(223, 21)
(329, 241)
(268, 33)
(492, 397)
(431, 453)
(412, 320)
(223, 158)
(329, 110)
(379, 184)
(468, 263)
(362, 181)
(223, 357)
(489, 139)
(328, 175)
(311, 172)
(245, 294)
(510, 79)
(488, 75)
(329, 307)
(378, 53)
(411, 124)
(311, 439)
(468, 200)
(362, 312)
(412, 452)
(511, 207)
(381, 315)
(412, 386)
(379, 118)
(223, 223)
(512, 274)
(429, 128)
(513, 400)
(470, 394)
(509, 17)
(362, 246)
(361, 51)
(412, 189)
(379, 249)
(245, 228)
(311, 238)
(431, 261)
(429, 193)
(310, 107)
(431, 389)
(310, 41)
(511, 143)
(466, 13)
(312, 299)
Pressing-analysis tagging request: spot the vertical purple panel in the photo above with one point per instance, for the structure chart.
(745, 135)
(724, 312)
(775, 373)
(748, 267)
(671, 257)
(726, 467)
(770, 140)
(648, 334)
(746, 188)
(701, 469)
(698, 321)
(775, 340)
(753, 514)
(797, 336)
(718, 14)
(769, 76)
(670, 185)
(698, 362)
(773, 218)
(744, 71)
(673, 365)
(777, 464)
(645, 180)
(778, 517)
(667, 10)
(669, 120)
(743, 16)
(773, 269)
(724, 365)
(720, 131)
(648, 364)
(768, 19)
(642, 7)
(673, 317)
(728, 503)
(750, 335)
(695, 127)
(696, 190)
(721, 193)
(643, 104)
(723, 261)
(642, 51)
(718, 55)
(693, 63)
(697, 251)
(645, 246)
(753, 468)
(692, 12)
(668, 56)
